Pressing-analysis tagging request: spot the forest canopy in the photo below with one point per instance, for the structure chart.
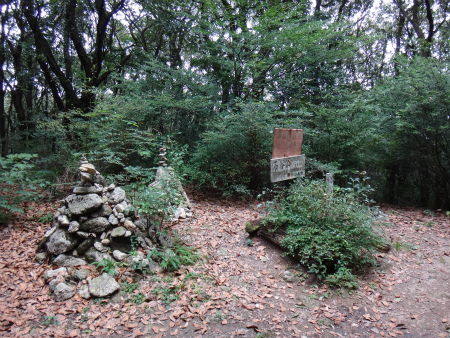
(368, 81)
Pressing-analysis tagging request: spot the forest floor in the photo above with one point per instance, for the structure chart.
(238, 289)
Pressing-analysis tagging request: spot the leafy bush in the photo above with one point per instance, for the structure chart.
(20, 181)
(234, 156)
(331, 234)
(172, 259)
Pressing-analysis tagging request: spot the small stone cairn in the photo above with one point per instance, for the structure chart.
(92, 224)
(166, 177)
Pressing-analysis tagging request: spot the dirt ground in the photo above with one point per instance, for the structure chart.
(240, 287)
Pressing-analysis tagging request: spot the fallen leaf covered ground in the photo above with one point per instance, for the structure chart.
(236, 289)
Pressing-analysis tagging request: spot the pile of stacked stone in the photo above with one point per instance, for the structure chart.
(167, 179)
(92, 224)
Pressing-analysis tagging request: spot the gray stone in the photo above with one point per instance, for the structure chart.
(129, 225)
(52, 284)
(63, 220)
(86, 178)
(83, 204)
(306, 300)
(41, 258)
(289, 276)
(119, 208)
(74, 226)
(92, 255)
(165, 240)
(84, 291)
(179, 214)
(141, 241)
(51, 231)
(85, 245)
(83, 234)
(96, 225)
(81, 274)
(99, 179)
(53, 273)
(61, 241)
(105, 242)
(148, 241)
(117, 196)
(120, 216)
(142, 224)
(88, 168)
(68, 261)
(63, 292)
(87, 190)
(134, 259)
(117, 298)
(128, 233)
(119, 255)
(113, 219)
(118, 232)
(111, 187)
(103, 285)
(104, 211)
(99, 246)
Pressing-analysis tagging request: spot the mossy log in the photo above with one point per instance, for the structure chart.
(272, 234)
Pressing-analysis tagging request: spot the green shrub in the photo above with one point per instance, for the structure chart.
(234, 156)
(107, 265)
(331, 234)
(20, 181)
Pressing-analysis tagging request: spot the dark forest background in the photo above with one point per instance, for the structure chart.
(369, 83)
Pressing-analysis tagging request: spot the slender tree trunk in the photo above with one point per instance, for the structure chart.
(3, 136)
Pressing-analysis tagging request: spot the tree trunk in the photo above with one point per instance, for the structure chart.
(3, 135)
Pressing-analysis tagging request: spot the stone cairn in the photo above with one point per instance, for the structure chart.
(162, 157)
(95, 223)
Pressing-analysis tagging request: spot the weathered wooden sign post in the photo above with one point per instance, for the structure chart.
(287, 162)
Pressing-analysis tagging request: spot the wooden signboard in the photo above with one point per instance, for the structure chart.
(287, 142)
(287, 162)
(287, 168)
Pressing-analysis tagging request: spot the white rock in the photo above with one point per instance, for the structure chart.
(63, 292)
(119, 255)
(103, 286)
(113, 220)
(119, 208)
(99, 246)
(53, 273)
(74, 226)
(129, 225)
(84, 291)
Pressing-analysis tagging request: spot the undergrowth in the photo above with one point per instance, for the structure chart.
(331, 234)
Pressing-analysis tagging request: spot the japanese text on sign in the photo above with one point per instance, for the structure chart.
(287, 168)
